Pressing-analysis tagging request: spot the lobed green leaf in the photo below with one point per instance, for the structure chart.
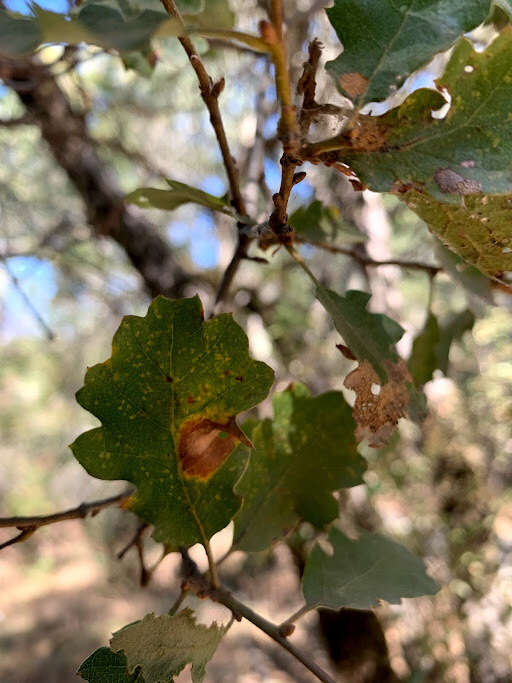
(167, 399)
(300, 457)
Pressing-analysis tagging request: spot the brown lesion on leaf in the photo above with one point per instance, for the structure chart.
(378, 407)
(204, 445)
(369, 134)
(354, 84)
(451, 182)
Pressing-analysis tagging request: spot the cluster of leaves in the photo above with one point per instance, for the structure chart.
(168, 399)
(170, 396)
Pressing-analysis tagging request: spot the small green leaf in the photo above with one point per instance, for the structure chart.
(104, 665)
(477, 229)
(431, 348)
(369, 336)
(451, 331)
(319, 223)
(423, 360)
(304, 454)
(179, 194)
(467, 152)
(174, 383)
(162, 646)
(385, 41)
(360, 573)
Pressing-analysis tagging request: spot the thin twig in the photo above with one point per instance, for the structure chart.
(79, 512)
(22, 536)
(242, 611)
(431, 269)
(210, 93)
(289, 129)
(287, 623)
(139, 533)
(50, 334)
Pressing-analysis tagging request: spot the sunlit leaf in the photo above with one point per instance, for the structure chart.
(162, 646)
(179, 194)
(479, 228)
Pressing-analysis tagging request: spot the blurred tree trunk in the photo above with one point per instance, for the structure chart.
(65, 132)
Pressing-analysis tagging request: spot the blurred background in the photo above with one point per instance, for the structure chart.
(72, 263)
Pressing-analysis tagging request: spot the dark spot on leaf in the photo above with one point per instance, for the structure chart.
(239, 378)
(168, 379)
(346, 351)
(204, 445)
(450, 182)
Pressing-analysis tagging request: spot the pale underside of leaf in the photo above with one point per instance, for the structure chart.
(362, 572)
(162, 646)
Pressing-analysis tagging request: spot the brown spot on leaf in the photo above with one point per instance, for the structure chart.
(354, 84)
(451, 182)
(346, 351)
(377, 414)
(369, 135)
(190, 400)
(204, 445)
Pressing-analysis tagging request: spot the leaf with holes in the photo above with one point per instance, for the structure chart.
(161, 647)
(300, 457)
(468, 152)
(179, 194)
(105, 665)
(385, 41)
(362, 572)
(478, 229)
(167, 399)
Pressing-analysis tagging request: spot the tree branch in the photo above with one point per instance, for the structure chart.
(241, 611)
(210, 93)
(364, 260)
(65, 132)
(28, 525)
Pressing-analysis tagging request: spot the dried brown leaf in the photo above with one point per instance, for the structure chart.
(378, 407)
